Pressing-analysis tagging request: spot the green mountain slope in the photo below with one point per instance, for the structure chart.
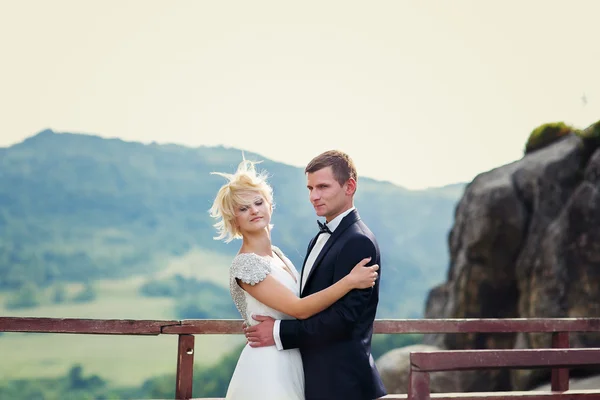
(79, 208)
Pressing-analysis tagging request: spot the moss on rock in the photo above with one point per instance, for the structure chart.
(592, 132)
(546, 134)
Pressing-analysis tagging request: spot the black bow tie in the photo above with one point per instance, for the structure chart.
(323, 228)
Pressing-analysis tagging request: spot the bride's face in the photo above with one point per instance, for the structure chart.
(254, 214)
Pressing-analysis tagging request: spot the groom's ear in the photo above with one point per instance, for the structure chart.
(350, 187)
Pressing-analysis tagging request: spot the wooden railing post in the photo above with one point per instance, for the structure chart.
(185, 367)
(418, 385)
(560, 376)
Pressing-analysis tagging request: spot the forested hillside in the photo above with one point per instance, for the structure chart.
(76, 208)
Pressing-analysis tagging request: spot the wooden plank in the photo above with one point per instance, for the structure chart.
(418, 385)
(83, 326)
(560, 376)
(185, 367)
(486, 325)
(233, 326)
(206, 327)
(568, 395)
(532, 395)
(455, 360)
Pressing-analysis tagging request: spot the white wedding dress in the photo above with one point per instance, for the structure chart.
(264, 373)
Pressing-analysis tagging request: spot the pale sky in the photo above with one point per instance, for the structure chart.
(420, 93)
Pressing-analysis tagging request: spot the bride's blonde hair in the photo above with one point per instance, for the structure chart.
(230, 197)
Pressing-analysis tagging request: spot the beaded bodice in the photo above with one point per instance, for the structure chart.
(252, 269)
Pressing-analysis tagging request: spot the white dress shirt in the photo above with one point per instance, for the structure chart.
(314, 253)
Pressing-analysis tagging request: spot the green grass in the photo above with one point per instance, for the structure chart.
(202, 264)
(592, 132)
(122, 360)
(546, 134)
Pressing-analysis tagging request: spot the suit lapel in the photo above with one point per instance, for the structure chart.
(345, 223)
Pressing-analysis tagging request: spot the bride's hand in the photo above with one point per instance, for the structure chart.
(362, 277)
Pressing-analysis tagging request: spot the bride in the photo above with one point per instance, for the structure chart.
(263, 281)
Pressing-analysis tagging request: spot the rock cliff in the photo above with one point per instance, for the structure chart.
(525, 243)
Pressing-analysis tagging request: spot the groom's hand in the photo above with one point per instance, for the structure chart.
(261, 335)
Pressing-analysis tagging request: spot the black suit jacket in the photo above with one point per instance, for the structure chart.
(336, 343)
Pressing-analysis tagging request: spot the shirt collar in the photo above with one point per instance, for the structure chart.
(334, 223)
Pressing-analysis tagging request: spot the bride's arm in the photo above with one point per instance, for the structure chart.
(277, 296)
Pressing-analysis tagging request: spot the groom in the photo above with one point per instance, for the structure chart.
(336, 343)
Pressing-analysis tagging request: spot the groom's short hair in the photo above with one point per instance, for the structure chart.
(341, 165)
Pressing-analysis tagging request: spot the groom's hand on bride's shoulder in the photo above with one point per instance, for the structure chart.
(260, 335)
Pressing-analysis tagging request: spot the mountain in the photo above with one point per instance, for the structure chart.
(76, 208)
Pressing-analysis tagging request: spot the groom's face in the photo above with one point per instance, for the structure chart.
(327, 196)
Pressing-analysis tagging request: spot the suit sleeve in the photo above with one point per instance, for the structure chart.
(336, 322)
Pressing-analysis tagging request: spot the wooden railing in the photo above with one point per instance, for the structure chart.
(422, 363)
